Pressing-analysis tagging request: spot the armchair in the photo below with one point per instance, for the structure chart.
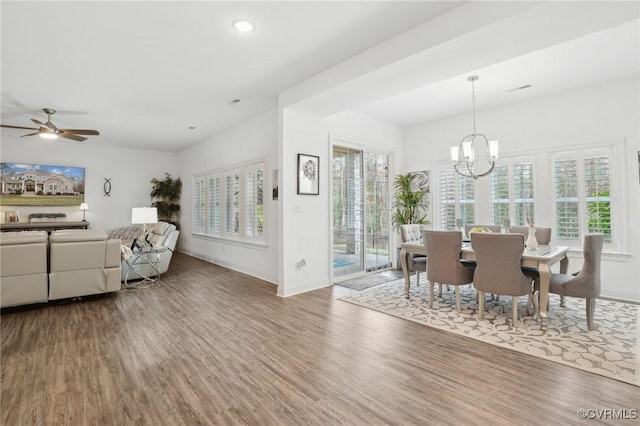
(163, 237)
(415, 262)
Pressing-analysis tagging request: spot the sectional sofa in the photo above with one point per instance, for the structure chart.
(36, 267)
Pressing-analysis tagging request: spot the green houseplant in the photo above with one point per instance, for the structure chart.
(409, 204)
(165, 195)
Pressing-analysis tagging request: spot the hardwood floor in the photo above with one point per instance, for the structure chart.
(213, 346)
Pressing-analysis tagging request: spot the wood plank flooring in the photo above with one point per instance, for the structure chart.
(211, 346)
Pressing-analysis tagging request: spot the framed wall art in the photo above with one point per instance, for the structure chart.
(41, 185)
(308, 174)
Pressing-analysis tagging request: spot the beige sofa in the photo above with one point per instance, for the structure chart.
(23, 268)
(82, 262)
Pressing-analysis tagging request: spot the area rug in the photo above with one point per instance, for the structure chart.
(611, 349)
(370, 280)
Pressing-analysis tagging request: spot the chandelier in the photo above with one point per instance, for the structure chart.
(464, 154)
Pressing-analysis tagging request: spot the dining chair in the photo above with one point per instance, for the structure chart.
(415, 262)
(498, 271)
(584, 284)
(493, 228)
(543, 235)
(444, 267)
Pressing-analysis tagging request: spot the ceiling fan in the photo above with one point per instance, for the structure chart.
(50, 131)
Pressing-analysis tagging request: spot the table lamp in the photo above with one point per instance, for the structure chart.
(144, 215)
(84, 207)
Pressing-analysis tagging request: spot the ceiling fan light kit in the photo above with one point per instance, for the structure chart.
(49, 130)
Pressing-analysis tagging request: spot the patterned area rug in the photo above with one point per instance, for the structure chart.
(371, 280)
(611, 349)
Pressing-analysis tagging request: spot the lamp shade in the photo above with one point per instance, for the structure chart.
(144, 215)
(84, 206)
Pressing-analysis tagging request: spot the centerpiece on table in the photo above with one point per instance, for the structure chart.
(47, 217)
(532, 242)
(481, 229)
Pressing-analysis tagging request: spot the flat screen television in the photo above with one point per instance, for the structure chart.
(41, 185)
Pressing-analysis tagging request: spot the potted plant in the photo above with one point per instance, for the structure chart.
(165, 195)
(410, 203)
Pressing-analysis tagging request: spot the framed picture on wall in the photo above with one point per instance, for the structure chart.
(308, 174)
(26, 184)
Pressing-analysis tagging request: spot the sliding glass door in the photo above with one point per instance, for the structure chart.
(360, 211)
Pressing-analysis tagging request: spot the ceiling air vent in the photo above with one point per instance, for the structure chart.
(234, 102)
(519, 88)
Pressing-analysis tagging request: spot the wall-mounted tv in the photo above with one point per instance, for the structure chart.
(41, 185)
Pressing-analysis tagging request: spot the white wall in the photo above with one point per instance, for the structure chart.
(130, 172)
(597, 114)
(254, 139)
(306, 219)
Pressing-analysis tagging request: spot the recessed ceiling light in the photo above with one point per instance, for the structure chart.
(244, 26)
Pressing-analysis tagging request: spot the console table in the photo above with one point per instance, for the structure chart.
(42, 226)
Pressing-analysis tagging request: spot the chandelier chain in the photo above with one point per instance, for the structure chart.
(473, 100)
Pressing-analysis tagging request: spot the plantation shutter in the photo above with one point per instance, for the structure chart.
(199, 200)
(523, 192)
(232, 203)
(213, 204)
(447, 200)
(597, 195)
(500, 194)
(566, 198)
(466, 197)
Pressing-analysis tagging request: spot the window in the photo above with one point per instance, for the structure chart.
(500, 194)
(523, 192)
(214, 212)
(583, 194)
(457, 199)
(512, 192)
(254, 205)
(230, 203)
(199, 199)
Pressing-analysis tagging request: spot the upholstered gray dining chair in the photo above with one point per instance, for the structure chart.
(415, 262)
(498, 270)
(493, 228)
(543, 235)
(444, 267)
(584, 284)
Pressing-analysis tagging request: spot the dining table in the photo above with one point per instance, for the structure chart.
(541, 259)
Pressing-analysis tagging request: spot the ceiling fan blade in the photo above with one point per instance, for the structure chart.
(30, 134)
(38, 122)
(17, 127)
(72, 137)
(80, 132)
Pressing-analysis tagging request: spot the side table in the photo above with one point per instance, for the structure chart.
(144, 264)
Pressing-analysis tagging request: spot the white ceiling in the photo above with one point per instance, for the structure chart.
(143, 73)
(597, 58)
